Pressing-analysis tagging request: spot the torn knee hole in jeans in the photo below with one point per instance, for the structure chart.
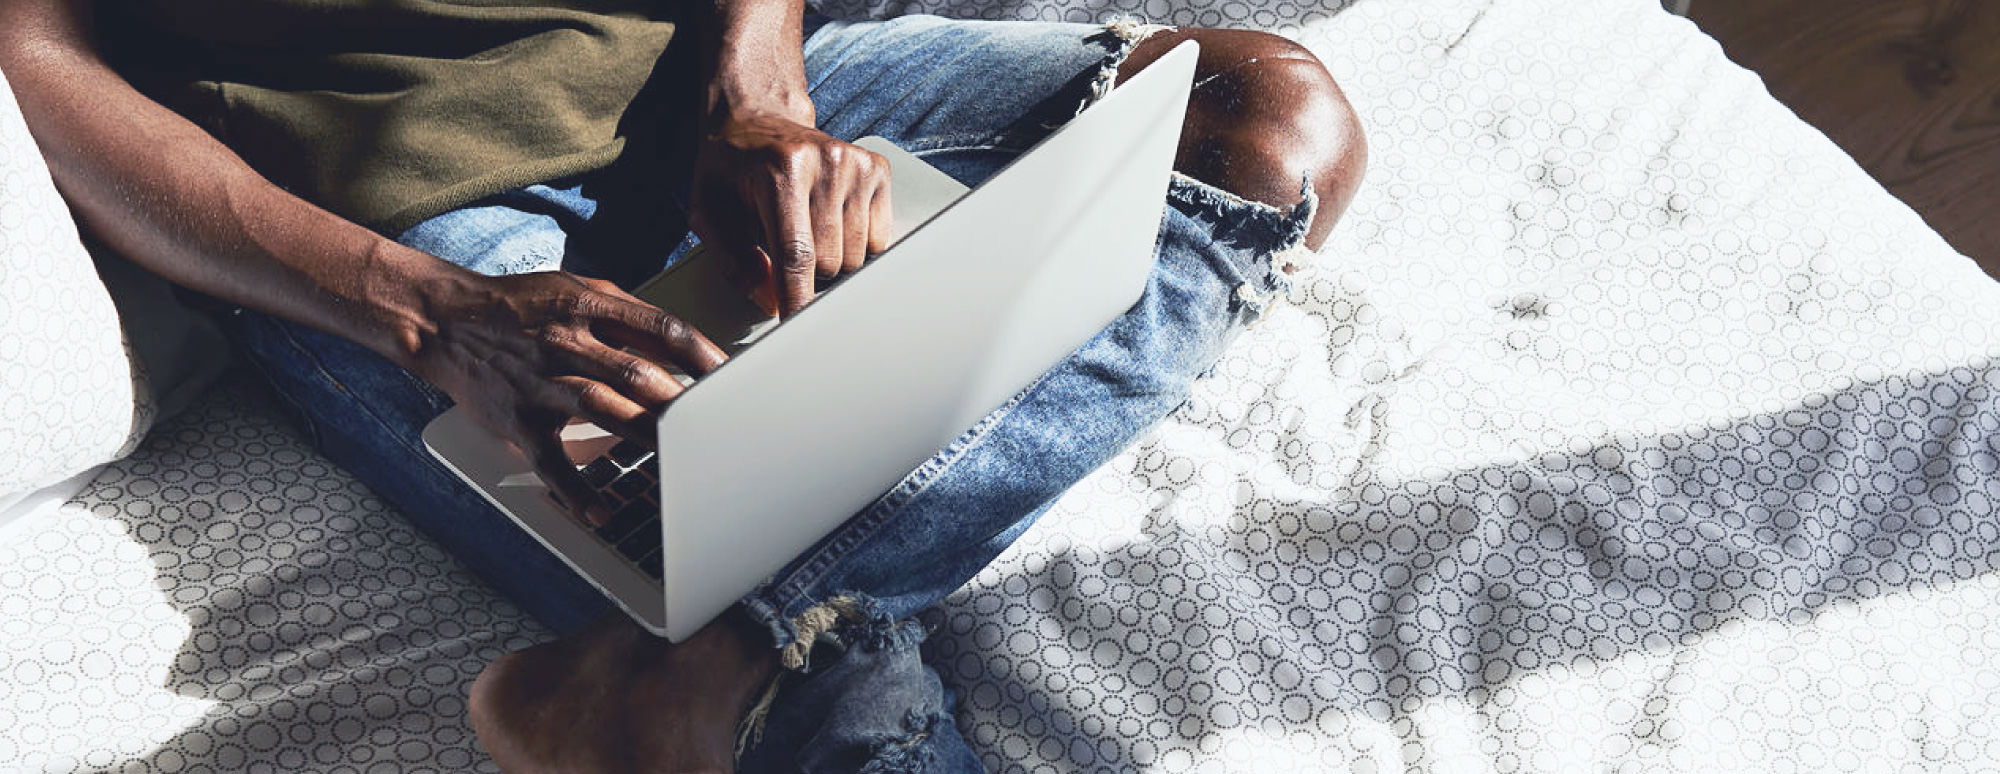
(1289, 255)
(905, 753)
(1129, 33)
(846, 621)
(1245, 222)
(850, 621)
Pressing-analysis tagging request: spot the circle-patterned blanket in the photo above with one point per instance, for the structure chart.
(1624, 424)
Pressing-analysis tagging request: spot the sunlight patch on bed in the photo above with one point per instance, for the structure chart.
(87, 642)
(1530, 271)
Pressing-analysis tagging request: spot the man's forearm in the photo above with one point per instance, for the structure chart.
(751, 60)
(161, 191)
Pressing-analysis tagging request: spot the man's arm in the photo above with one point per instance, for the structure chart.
(788, 201)
(524, 352)
(753, 61)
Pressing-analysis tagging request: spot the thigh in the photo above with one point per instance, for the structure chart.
(867, 697)
(966, 96)
(368, 415)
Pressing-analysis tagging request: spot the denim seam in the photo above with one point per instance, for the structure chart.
(792, 589)
(1000, 141)
(342, 387)
(432, 395)
(912, 486)
(298, 411)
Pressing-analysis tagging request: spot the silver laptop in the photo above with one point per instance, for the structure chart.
(757, 461)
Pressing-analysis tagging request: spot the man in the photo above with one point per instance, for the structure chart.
(509, 148)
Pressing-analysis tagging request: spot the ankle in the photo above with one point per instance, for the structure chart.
(739, 650)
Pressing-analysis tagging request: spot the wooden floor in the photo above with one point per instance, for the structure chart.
(1911, 88)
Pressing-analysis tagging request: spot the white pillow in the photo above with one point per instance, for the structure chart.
(71, 396)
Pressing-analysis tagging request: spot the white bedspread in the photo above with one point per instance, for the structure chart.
(224, 600)
(1624, 424)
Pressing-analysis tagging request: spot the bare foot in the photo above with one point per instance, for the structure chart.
(614, 698)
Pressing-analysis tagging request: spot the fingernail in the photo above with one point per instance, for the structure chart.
(766, 298)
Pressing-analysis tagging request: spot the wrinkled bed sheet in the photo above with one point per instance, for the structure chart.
(1623, 424)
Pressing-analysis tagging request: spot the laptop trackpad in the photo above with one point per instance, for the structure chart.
(698, 289)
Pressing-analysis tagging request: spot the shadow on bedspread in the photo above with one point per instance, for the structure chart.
(326, 633)
(1456, 586)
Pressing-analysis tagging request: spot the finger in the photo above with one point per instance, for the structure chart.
(564, 482)
(659, 335)
(610, 289)
(856, 210)
(634, 379)
(881, 217)
(764, 291)
(789, 240)
(584, 350)
(829, 209)
(606, 408)
(746, 264)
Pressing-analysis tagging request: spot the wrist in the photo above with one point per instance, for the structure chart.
(410, 300)
(754, 62)
(736, 100)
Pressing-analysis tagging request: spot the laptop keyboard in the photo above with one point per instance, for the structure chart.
(627, 478)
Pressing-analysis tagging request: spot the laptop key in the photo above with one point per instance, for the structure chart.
(626, 519)
(651, 565)
(636, 545)
(631, 487)
(626, 453)
(599, 472)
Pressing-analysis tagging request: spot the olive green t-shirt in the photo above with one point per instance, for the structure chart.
(391, 111)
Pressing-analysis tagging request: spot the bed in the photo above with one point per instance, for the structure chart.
(1624, 424)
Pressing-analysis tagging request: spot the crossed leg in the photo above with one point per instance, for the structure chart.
(1264, 117)
(1264, 120)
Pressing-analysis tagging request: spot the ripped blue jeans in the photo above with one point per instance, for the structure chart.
(967, 97)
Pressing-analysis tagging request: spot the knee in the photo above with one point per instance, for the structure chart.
(1266, 116)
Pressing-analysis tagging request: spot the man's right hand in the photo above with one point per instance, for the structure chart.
(525, 353)
(789, 203)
